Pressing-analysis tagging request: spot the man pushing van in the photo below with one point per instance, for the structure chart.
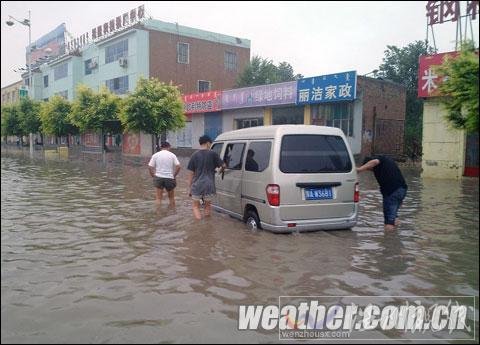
(392, 185)
(201, 176)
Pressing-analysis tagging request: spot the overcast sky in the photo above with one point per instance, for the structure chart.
(314, 37)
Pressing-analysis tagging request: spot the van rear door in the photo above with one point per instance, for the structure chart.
(317, 177)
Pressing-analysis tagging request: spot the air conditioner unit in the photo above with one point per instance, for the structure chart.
(122, 62)
(93, 65)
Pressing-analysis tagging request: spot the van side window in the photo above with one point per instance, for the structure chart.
(217, 148)
(258, 156)
(234, 156)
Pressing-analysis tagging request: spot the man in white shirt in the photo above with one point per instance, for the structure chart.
(164, 168)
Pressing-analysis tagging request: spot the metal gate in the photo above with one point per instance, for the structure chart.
(471, 155)
(388, 136)
(213, 124)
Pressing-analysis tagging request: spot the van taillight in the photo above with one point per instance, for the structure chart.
(273, 194)
(356, 194)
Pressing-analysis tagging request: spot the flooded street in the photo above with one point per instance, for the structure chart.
(87, 256)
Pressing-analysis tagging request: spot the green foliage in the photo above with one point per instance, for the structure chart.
(400, 65)
(54, 117)
(11, 120)
(91, 109)
(153, 108)
(263, 71)
(29, 115)
(460, 88)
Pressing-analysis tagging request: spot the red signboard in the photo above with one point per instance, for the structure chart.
(203, 102)
(91, 139)
(428, 79)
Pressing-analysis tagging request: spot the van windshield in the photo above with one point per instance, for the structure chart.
(314, 154)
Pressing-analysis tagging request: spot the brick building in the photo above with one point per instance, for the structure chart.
(383, 116)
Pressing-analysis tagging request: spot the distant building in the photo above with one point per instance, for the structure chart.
(10, 93)
(195, 60)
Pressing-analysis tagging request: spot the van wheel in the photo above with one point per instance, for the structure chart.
(252, 221)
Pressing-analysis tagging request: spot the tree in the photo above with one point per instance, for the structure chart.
(11, 120)
(460, 88)
(90, 110)
(154, 107)
(261, 71)
(54, 116)
(29, 115)
(400, 65)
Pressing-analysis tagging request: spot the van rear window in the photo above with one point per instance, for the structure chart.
(304, 153)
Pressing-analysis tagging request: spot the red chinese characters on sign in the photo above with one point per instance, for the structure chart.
(472, 9)
(131, 143)
(202, 102)
(442, 11)
(428, 79)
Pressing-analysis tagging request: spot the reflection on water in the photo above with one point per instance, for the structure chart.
(87, 256)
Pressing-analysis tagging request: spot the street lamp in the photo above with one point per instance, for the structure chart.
(26, 22)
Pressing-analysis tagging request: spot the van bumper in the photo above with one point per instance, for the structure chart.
(313, 224)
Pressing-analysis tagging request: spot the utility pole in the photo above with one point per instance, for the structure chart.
(27, 22)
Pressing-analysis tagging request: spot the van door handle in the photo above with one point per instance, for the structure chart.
(318, 184)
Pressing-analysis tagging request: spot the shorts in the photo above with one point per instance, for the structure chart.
(164, 183)
(391, 204)
(208, 197)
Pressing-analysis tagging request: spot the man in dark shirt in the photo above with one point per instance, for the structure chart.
(392, 185)
(201, 177)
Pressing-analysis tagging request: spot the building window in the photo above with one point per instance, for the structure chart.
(204, 85)
(63, 94)
(90, 65)
(338, 115)
(119, 85)
(45, 81)
(45, 99)
(287, 116)
(116, 51)
(27, 82)
(60, 72)
(183, 52)
(230, 61)
(246, 123)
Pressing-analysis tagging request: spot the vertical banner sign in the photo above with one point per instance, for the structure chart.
(131, 143)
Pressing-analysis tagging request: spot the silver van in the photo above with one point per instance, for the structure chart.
(287, 178)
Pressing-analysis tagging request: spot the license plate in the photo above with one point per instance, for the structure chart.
(321, 193)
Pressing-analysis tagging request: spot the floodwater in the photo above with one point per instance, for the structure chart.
(88, 257)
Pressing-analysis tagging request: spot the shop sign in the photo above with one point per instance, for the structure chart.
(260, 96)
(327, 88)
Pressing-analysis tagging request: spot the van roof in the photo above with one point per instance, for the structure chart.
(267, 132)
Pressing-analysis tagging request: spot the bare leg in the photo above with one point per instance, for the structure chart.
(389, 227)
(196, 210)
(207, 207)
(171, 197)
(159, 195)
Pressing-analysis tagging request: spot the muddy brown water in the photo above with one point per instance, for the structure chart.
(87, 256)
